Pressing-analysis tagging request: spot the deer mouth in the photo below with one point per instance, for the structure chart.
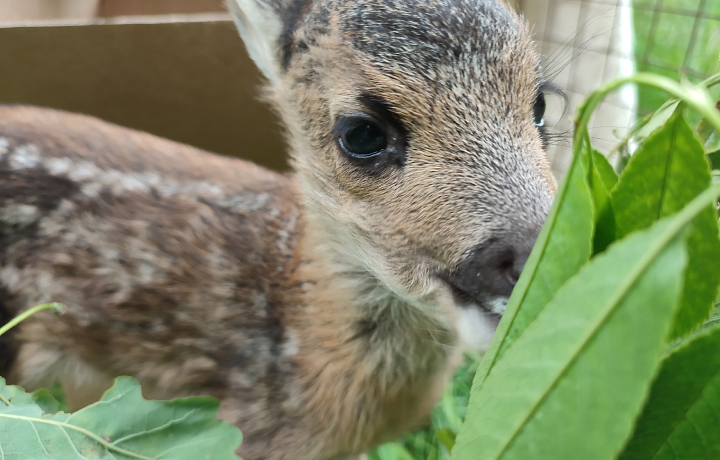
(494, 306)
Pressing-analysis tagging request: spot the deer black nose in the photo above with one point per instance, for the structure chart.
(492, 270)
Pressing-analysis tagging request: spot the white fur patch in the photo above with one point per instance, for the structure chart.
(290, 346)
(94, 180)
(498, 305)
(4, 144)
(19, 214)
(10, 276)
(476, 328)
(247, 203)
(58, 166)
(24, 157)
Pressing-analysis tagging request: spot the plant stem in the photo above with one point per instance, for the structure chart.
(692, 96)
(709, 83)
(57, 307)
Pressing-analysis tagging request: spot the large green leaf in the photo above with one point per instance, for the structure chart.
(666, 173)
(682, 416)
(602, 178)
(122, 425)
(571, 385)
(390, 451)
(563, 246)
(10, 394)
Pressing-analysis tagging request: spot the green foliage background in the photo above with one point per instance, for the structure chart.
(663, 50)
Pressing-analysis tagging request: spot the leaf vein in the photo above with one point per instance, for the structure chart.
(39, 439)
(158, 428)
(81, 430)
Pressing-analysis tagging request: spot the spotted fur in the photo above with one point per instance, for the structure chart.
(325, 308)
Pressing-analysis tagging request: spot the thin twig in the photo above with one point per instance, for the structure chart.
(57, 307)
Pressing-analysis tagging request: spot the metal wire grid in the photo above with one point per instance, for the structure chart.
(584, 38)
(705, 10)
(586, 42)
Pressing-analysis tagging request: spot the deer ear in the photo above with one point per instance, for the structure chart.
(260, 28)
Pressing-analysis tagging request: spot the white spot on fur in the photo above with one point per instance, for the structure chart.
(245, 203)
(146, 272)
(45, 283)
(25, 157)
(4, 144)
(66, 206)
(10, 276)
(19, 214)
(83, 171)
(94, 180)
(290, 346)
(476, 328)
(91, 189)
(58, 166)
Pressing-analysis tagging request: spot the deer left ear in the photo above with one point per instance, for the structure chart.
(260, 27)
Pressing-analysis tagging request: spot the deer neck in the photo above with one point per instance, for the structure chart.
(372, 364)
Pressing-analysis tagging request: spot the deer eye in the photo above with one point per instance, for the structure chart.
(539, 110)
(362, 138)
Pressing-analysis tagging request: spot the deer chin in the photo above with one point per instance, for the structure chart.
(477, 318)
(476, 327)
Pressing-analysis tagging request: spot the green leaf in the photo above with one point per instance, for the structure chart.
(604, 170)
(48, 404)
(708, 134)
(711, 140)
(563, 246)
(602, 178)
(681, 418)
(666, 173)
(714, 158)
(447, 437)
(657, 120)
(391, 451)
(571, 385)
(122, 425)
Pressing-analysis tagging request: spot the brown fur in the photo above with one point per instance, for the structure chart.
(324, 308)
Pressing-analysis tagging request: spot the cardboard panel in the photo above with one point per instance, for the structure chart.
(21, 10)
(144, 7)
(190, 81)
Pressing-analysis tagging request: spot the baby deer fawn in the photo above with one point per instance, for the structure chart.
(325, 308)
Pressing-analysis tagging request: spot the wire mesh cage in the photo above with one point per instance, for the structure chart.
(587, 42)
(675, 37)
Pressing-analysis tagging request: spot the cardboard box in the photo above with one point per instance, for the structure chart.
(20, 10)
(186, 77)
(144, 7)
